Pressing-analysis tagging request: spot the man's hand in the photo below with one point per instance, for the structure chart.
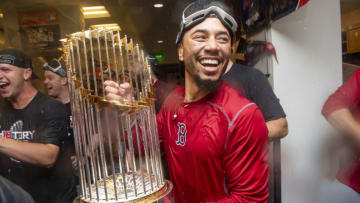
(114, 91)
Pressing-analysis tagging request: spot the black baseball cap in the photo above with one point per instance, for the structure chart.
(15, 57)
(198, 11)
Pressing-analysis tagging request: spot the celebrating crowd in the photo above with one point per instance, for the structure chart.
(214, 131)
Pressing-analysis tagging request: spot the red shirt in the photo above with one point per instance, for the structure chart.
(216, 148)
(347, 96)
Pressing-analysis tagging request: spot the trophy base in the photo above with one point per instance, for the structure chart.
(161, 193)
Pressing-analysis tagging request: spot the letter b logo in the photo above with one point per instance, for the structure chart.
(181, 134)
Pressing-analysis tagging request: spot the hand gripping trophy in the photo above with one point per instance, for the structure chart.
(117, 145)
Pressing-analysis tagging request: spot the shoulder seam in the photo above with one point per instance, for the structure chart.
(230, 123)
(221, 109)
(238, 113)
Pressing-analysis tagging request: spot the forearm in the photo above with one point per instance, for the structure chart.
(344, 121)
(277, 128)
(38, 154)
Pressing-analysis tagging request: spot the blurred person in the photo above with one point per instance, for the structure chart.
(31, 128)
(56, 82)
(214, 139)
(10, 192)
(254, 85)
(342, 111)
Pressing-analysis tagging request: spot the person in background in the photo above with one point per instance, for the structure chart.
(253, 84)
(32, 127)
(56, 82)
(215, 140)
(10, 192)
(342, 110)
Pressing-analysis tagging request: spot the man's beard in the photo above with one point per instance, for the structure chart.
(207, 84)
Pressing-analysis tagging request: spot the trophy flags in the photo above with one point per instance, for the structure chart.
(302, 3)
(254, 16)
(256, 50)
(116, 141)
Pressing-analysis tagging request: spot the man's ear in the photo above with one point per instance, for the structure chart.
(64, 81)
(27, 73)
(181, 52)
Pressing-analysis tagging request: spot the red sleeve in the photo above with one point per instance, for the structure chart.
(159, 123)
(246, 158)
(346, 96)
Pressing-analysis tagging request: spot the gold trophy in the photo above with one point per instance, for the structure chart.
(117, 145)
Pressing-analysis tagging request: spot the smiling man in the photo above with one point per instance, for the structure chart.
(214, 139)
(64, 175)
(31, 128)
(56, 81)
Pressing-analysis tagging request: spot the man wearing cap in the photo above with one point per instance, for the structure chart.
(214, 139)
(31, 128)
(56, 83)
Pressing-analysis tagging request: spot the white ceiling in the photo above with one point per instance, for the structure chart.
(140, 20)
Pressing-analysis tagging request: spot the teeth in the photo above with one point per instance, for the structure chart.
(3, 84)
(210, 61)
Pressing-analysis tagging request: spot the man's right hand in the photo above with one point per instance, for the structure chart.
(114, 91)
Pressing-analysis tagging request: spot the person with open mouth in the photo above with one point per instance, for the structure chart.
(32, 127)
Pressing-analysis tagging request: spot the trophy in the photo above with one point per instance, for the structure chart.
(117, 145)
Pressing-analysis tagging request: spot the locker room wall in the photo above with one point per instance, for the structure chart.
(308, 44)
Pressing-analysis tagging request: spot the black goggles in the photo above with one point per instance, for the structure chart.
(200, 15)
(58, 69)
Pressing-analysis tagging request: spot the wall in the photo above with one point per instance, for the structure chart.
(308, 44)
(350, 19)
(70, 21)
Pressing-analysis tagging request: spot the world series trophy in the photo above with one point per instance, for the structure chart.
(116, 142)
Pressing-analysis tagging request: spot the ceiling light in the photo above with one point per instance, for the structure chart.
(160, 41)
(158, 5)
(95, 12)
(93, 8)
(112, 26)
(1, 15)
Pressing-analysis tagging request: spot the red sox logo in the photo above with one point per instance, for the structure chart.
(181, 134)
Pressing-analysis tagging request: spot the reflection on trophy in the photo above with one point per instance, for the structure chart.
(117, 146)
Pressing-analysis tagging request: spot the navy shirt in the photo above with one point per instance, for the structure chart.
(43, 120)
(253, 84)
